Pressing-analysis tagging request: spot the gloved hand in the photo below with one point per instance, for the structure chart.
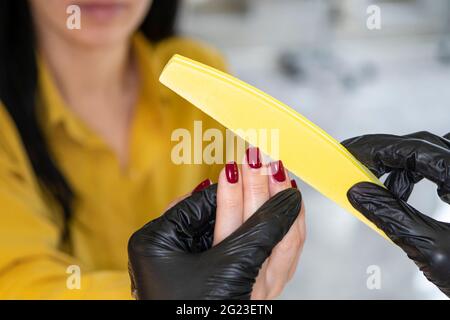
(407, 159)
(172, 257)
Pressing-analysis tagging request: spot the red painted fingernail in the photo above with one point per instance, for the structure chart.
(277, 170)
(202, 186)
(254, 158)
(294, 184)
(232, 172)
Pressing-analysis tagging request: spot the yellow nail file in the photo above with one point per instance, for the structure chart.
(306, 150)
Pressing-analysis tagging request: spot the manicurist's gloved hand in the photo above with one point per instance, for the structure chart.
(173, 257)
(407, 159)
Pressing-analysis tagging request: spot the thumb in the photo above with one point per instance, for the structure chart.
(401, 183)
(186, 227)
(402, 223)
(251, 244)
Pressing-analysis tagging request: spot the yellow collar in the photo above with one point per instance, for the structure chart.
(54, 111)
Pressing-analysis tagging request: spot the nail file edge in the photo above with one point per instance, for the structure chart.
(165, 79)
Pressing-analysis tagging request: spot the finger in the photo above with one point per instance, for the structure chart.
(361, 150)
(285, 254)
(401, 183)
(403, 224)
(174, 202)
(196, 212)
(262, 287)
(277, 184)
(431, 138)
(256, 193)
(436, 140)
(368, 147)
(281, 260)
(202, 185)
(253, 242)
(255, 182)
(382, 153)
(302, 228)
(229, 214)
(276, 268)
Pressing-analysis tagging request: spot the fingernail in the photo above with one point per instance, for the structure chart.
(232, 172)
(202, 186)
(254, 158)
(277, 170)
(294, 184)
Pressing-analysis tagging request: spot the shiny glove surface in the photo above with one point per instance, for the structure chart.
(172, 257)
(407, 159)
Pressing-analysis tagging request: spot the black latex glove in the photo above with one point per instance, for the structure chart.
(407, 160)
(172, 257)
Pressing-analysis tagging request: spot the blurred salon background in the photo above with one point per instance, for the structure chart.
(319, 57)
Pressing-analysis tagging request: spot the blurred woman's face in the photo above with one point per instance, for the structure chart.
(103, 22)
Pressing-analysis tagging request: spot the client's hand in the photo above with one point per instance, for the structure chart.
(239, 195)
(186, 254)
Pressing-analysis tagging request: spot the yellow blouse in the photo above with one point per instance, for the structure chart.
(111, 202)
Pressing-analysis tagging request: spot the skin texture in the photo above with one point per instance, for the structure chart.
(93, 67)
(99, 28)
(407, 159)
(237, 202)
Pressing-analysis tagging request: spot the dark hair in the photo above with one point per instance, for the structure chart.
(18, 85)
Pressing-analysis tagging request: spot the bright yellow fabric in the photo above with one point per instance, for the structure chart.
(111, 202)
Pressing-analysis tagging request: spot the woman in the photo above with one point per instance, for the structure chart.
(85, 147)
